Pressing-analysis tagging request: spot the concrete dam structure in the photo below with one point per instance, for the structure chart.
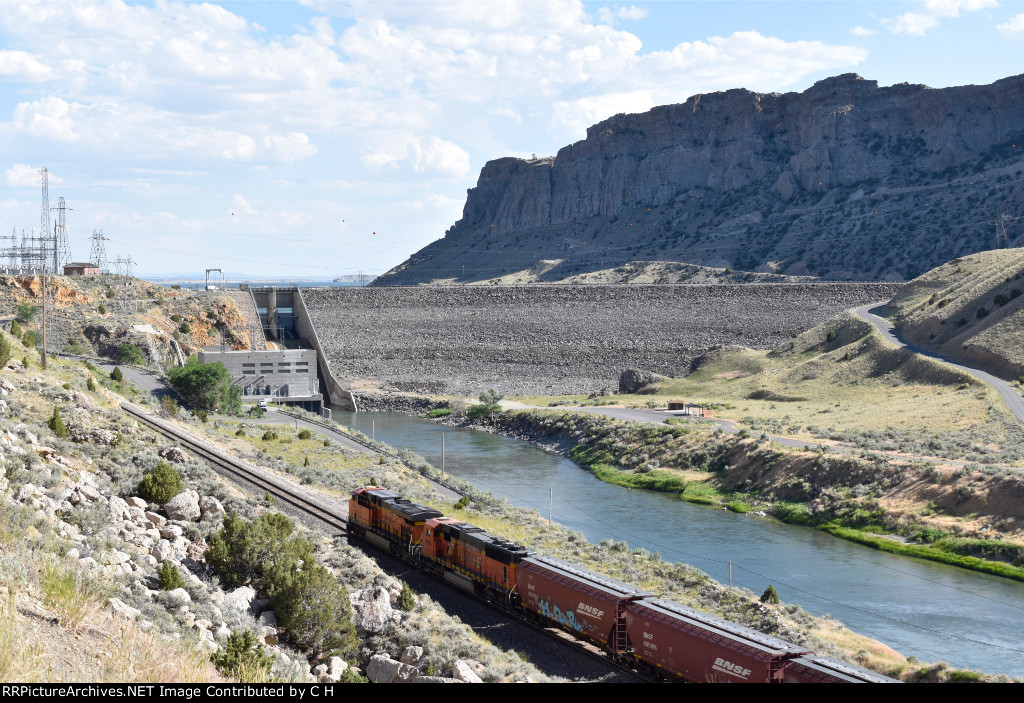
(556, 339)
(289, 332)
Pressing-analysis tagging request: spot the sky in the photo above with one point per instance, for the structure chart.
(315, 139)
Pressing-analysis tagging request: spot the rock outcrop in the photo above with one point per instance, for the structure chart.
(834, 182)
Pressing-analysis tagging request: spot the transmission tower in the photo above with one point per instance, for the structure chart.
(60, 237)
(10, 251)
(44, 212)
(1002, 233)
(98, 251)
(124, 269)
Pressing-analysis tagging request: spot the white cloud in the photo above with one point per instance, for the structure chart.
(426, 155)
(1013, 27)
(608, 15)
(919, 23)
(24, 176)
(22, 66)
(48, 118)
(859, 31)
(438, 156)
(241, 206)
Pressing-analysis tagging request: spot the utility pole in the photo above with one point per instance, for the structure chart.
(42, 285)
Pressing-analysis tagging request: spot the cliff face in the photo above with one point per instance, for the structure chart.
(756, 182)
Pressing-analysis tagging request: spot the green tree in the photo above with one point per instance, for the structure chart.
(131, 354)
(102, 310)
(243, 552)
(315, 609)
(406, 599)
(490, 403)
(90, 383)
(57, 424)
(26, 311)
(16, 330)
(5, 350)
(207, 386)
(170, 577)
(116, 375)
(29, 339)
(770, 595)
(161, 484)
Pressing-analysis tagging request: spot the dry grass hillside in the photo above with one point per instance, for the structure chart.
(970, 309)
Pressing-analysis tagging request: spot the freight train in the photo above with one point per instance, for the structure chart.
(668, 639)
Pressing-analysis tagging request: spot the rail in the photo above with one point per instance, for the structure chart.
(239, 468)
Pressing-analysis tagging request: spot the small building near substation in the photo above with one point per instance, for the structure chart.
(80, 268)
(284, 376)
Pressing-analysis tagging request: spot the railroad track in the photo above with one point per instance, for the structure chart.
(241, 469)
(247, 472)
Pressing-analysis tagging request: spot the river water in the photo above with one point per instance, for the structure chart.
(932, 611)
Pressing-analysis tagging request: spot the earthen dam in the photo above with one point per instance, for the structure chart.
(556, 339)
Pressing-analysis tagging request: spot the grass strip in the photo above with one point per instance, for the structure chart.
(923, 551)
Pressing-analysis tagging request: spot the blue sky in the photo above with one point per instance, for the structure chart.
(318, 138)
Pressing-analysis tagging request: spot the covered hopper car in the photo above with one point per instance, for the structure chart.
(669, 639)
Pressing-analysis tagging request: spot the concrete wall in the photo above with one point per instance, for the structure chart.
(337, 395)
(291, 372)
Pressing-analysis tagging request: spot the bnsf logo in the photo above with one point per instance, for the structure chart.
(589, 610)
(727, 667)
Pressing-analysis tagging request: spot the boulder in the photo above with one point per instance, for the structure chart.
(636, 381)
(375, 612)
(176, 455)
(412, 656)
(210, 507)
(137, 502)
(178, 598)
(122, 609)
(183, 506)
(336, 667)
(383, 669)
(241, 599)
(463, 671)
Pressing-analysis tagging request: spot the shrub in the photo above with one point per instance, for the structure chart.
(25, 362)
(243, 657)
(269, 435)
(56, 424)
(116, 375)
(131, 354)
(305, 434)
(90, 383)
(770, 595)
(169, 405)
(29, 339)
(461, 503)
(406, 599)
(102, 310)
(161, 484)
(439, 412)
(16, 330)
(184, 328)
(170, 577)
(5, 350)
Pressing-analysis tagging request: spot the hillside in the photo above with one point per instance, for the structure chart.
(970, 310)
(847, 180)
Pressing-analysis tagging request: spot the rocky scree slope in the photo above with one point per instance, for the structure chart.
(847, 180)
(553, 340)
(970, 310)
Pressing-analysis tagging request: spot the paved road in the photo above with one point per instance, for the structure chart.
(1008, 393)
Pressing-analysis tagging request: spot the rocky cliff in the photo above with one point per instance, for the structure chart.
(847, 180)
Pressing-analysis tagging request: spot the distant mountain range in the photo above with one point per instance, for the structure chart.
(846, 180)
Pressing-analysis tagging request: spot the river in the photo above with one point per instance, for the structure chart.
(930, 610)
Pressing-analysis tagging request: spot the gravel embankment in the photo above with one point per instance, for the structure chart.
(557, 339)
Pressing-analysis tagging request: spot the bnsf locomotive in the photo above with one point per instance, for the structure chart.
(677, 642)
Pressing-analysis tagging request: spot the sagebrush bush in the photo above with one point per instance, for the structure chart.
(161, 484)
